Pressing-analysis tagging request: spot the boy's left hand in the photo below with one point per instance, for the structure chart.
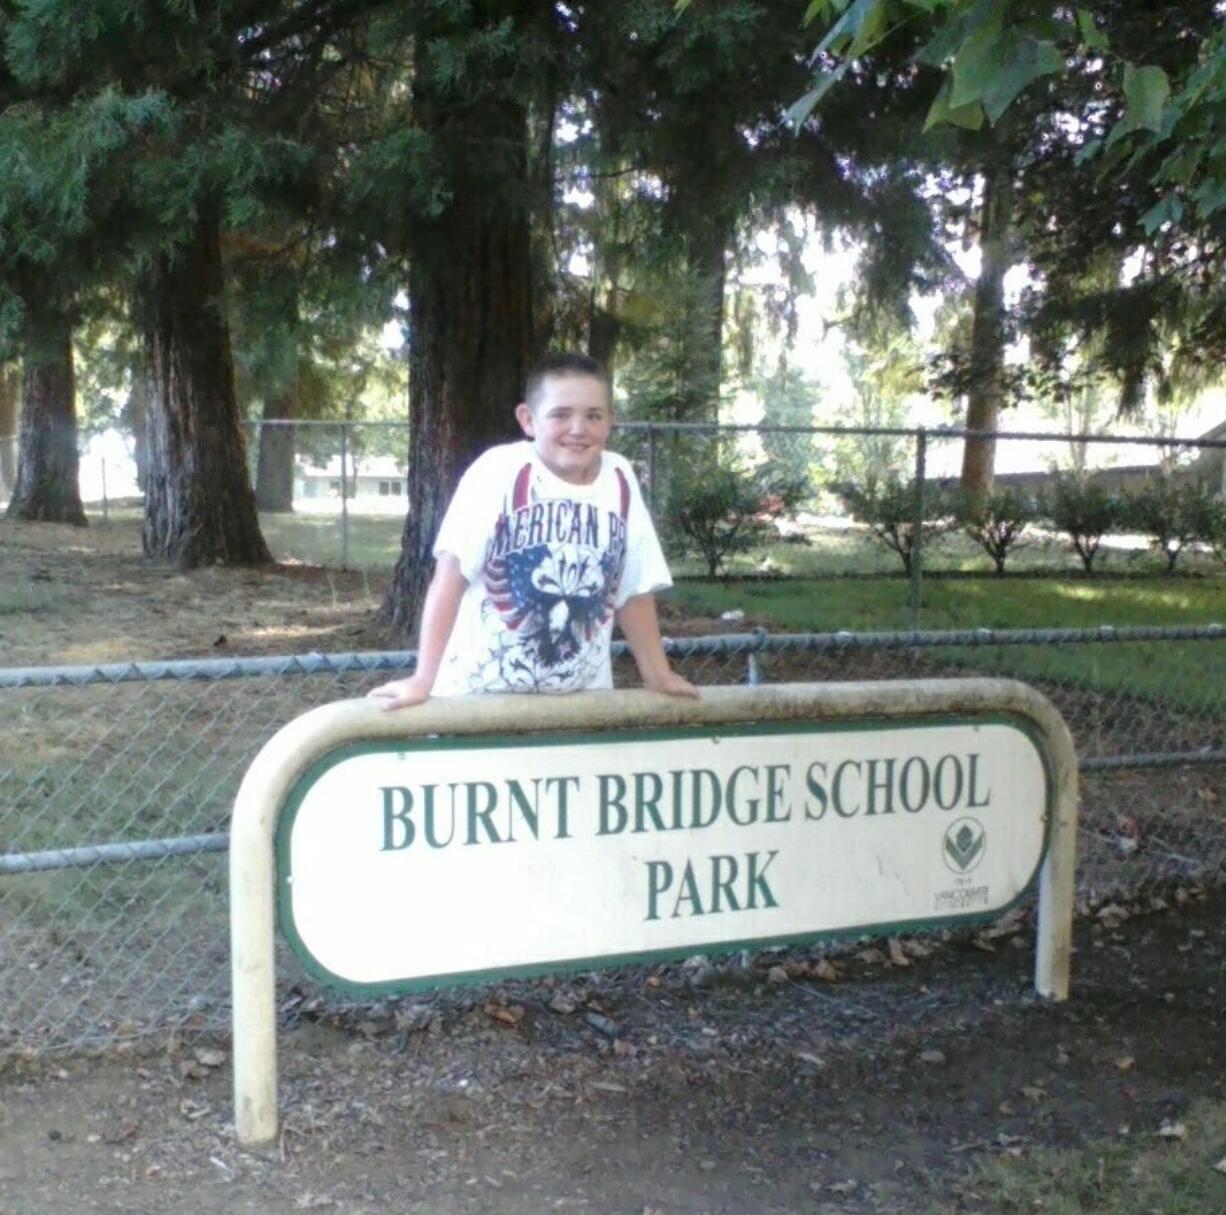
(671, 684)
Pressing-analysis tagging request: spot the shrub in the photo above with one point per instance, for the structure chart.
(1216, 537)
(887, 508)
(1173, 514)
(998, 523)
(1085, 512)
(718, 507)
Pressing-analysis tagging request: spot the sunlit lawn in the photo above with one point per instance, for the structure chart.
(372, 542)
(1193, 673)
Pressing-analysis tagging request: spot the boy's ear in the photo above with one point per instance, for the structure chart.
(523, 415)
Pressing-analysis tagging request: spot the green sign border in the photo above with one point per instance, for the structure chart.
(481, 742)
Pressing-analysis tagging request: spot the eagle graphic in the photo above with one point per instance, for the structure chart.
(554, 597)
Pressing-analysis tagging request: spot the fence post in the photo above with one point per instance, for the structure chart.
(102, 460)
(917, 550)
(344, 495)
(651, 469)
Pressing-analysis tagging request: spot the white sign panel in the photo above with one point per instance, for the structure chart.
(428, 860)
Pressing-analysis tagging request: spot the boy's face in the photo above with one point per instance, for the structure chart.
(569, 424)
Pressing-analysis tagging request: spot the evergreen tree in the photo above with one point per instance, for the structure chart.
(43, 262)
(186, 122)
(46, 487)
(10, 389)
(483, 80)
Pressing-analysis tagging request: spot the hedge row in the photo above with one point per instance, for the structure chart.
(1172, 514)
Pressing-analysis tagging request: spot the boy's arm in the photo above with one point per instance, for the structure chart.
(438, 616)
(641, 626)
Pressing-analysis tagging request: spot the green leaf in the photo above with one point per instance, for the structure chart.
(847, 30)
(1146, 91)
(826, 8)
(1167, 210)
(1029, 60)
(968, 116)
(943, 45)
(1180, 166)
(1113, 154)
(1087, 151)
(799, 111)
(871, 28)
(1210, 198)
(681, 6)
(1091, 35)
(976, 64)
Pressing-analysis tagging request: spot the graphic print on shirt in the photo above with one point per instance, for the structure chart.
(551, 575)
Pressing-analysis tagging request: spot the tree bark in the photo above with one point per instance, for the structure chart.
(700, 219)
(274, 476)
(985, 392)
(47, 488)
(706, 254)
(471, 323)
(199, 505)
(10, 395)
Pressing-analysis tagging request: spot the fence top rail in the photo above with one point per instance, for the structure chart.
(915, 432)
(717, 428)
(756, 641)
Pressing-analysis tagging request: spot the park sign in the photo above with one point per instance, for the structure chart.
(409, 862)
(476, 838)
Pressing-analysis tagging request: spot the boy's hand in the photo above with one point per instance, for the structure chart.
(401, 693)
(671, 684)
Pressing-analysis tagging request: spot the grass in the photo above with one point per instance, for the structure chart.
(1191, 674)
(1135, 1175)
(863, 605)
(22, 597)
(373, 541)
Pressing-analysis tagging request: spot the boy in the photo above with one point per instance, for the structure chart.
(544, 540)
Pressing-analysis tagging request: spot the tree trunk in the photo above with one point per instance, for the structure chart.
(199, 506)
(609, 189)
(135, 417)
(706, 257)
(274, 477)
(10, 394)
(985, 393)
(700, 219)
(471, 325)
(47, 487)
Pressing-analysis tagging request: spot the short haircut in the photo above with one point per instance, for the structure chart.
(562, 364)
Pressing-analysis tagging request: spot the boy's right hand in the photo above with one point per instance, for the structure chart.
(401, 693)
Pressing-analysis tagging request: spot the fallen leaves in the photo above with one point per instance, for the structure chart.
(201, 1063)
(510, 1015)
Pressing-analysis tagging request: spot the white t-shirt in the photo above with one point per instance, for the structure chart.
(547, 563)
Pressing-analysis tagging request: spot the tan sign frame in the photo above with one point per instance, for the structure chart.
(293, 750)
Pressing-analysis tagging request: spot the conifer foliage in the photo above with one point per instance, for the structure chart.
(156, 127)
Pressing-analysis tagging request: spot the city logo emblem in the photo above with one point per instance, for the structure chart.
(964, 844)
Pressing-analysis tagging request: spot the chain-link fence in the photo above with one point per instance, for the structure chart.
(754, 500)
(116, 785)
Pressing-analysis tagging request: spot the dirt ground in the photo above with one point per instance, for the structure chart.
(705, 1087)
(868, 1078)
